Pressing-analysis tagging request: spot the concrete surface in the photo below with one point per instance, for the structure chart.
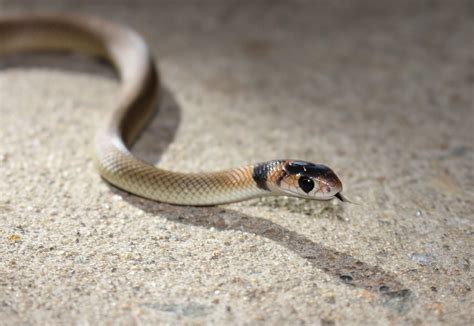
(380, 91)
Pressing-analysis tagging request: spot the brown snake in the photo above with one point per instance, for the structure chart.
(129, 55)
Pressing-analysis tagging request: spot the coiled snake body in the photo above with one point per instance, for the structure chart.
(128, 53)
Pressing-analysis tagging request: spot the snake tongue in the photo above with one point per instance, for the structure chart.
(340, 197)
(344, 199)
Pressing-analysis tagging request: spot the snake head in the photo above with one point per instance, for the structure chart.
(308, 180)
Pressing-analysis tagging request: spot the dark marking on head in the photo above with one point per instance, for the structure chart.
(259, 175)
(311, 169)
(317, 171)
(296, 167)
(262, 171)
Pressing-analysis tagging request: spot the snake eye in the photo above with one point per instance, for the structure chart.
(306, 184)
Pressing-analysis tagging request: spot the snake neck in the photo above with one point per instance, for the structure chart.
(125, 171)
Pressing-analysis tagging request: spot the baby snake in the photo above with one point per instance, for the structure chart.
(129, 55)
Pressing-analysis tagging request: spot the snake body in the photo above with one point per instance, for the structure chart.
(126, 51)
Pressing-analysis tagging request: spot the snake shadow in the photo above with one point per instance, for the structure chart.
(341, 266)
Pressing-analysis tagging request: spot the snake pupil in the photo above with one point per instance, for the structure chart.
(306, 184)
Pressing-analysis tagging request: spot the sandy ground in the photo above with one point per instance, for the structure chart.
(380, 91)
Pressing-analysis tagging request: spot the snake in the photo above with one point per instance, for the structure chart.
(126, 51)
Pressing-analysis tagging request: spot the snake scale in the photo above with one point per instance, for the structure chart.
(126, 51)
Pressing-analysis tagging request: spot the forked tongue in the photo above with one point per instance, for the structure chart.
(344, 199)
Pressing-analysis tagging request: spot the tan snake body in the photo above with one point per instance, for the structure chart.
(129, 55)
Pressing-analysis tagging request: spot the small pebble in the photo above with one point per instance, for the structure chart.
(14, 238)
(422, 259)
